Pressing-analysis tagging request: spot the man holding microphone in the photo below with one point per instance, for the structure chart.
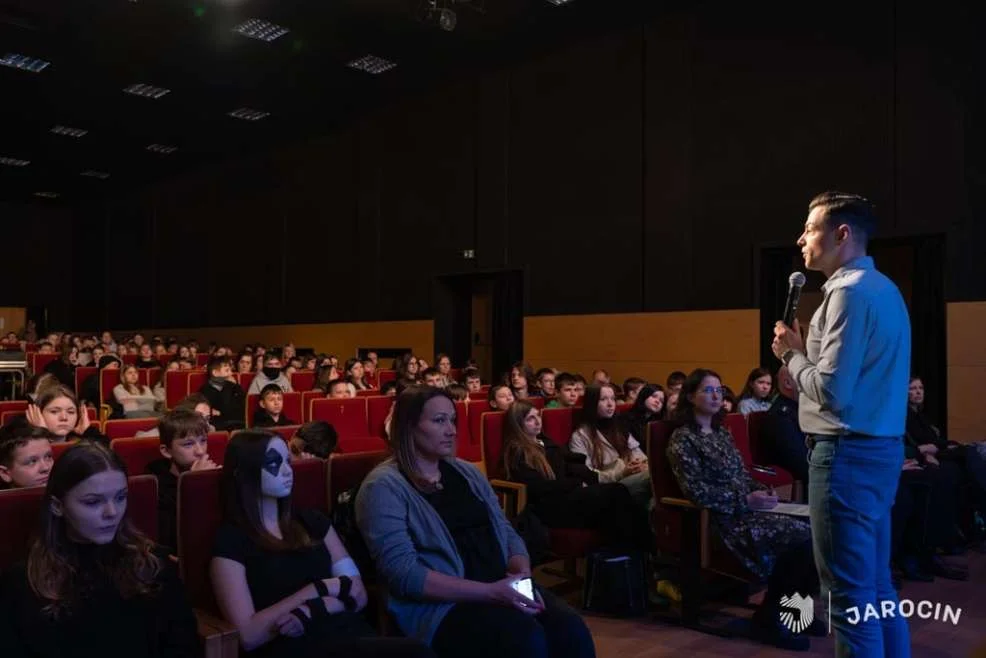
(852, 378)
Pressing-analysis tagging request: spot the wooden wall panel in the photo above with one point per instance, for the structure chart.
(966, 371)
(648, 345)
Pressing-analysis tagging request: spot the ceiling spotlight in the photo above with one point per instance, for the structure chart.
(162, 149)
(101, 175)
(47, 195)
(147, 91)
(68, 131)
(371, 64)
(247, 114)
(13, 162)
(261, 30)
(438, 13)
(23, 62)
(559, 3)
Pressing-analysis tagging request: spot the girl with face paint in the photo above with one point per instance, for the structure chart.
(92, 582)
(285, 579)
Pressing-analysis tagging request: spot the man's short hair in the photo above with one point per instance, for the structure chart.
(471, 373)
(217, 362)
(269, 389)
(852, 209)
(180, 424)
(563, 379)
(18, 435)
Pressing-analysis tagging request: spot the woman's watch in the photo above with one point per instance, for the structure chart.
(345, 587)
(786, 357)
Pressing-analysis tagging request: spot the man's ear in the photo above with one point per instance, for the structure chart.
(165, 451)
(5, 475)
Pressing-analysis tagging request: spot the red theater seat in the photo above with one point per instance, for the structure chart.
(758, 453)
(286, 432)
(108, 379)
(369, 393)
(201, 360)
(475, 410)
(466, 448)
(482, 395)
(175, 387)
(384, 376)
(306, 403)
(348, 416)
(377, 409)
(353, 444)
(124, 428)
(736, 423)
(245, 379)
(196, 380)
(538, 402)
(311, 489)
(558, 424)
(348, 470)
(18, 406)
(83, 373)
(491, 440)
(303, 380)
(39, 361)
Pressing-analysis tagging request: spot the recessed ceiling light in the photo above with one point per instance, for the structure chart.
(161, 148)
(101, 175)
(247, 114)
(558, 3)
(13, 162)
(23, 62)
(47, 195)
(147, 91)
(69, 131)
(261, 30)
(372, 64)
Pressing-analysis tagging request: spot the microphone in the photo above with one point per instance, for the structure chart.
(795, 282)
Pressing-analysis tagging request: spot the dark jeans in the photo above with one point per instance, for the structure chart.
(480, 630)
(853, 483)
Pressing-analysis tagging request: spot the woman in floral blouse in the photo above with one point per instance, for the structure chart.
(710, 471)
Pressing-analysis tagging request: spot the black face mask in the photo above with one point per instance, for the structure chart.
(272, 373)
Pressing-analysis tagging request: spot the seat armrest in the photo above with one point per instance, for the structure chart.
(515, 496)
(220, 639)
(704, 538)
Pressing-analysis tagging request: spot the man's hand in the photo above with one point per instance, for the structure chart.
(787, 338)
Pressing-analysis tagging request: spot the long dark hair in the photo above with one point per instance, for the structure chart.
(639, 409)
(408, 408)
(517, 443)
(53, 563)
(685, 411)
(754, 375)
(240, 486)
(593, 425)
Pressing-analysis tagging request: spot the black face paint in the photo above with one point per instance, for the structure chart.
(273, 462)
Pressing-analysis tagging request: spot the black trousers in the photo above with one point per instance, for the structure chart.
(481, 630)
(608, 508)
(794, 572)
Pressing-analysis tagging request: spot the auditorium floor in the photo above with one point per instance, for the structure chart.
(642, 638)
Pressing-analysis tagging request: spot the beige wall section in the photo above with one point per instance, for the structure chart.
(12, 318)
(966, 371)
(648, 345)
(341, 339)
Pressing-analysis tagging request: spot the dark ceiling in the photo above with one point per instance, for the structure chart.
(97, 48)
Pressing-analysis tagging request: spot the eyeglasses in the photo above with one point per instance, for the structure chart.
(709, 390)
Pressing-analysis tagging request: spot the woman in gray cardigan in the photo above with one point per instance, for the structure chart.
(446, 552)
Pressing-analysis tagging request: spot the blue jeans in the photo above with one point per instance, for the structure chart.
(852, 484)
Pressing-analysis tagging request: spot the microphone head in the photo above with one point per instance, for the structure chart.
(796, 280)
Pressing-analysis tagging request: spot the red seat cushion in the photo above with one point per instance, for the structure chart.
(127, 427)
(303, 380)
(491, 438)
(347, 416)
(348, 470)
(377, 410)
(558, 424)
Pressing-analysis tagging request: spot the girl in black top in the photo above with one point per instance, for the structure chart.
(93, 585)
(561, 490)
(286, 582)
(647, 408)
(57, 410)
(64, 367)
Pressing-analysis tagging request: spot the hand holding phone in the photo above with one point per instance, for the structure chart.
(525, 586)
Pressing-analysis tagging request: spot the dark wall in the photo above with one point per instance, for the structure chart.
(642, 170)
(37, 260)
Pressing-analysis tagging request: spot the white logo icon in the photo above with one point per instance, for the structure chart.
(797, 612)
